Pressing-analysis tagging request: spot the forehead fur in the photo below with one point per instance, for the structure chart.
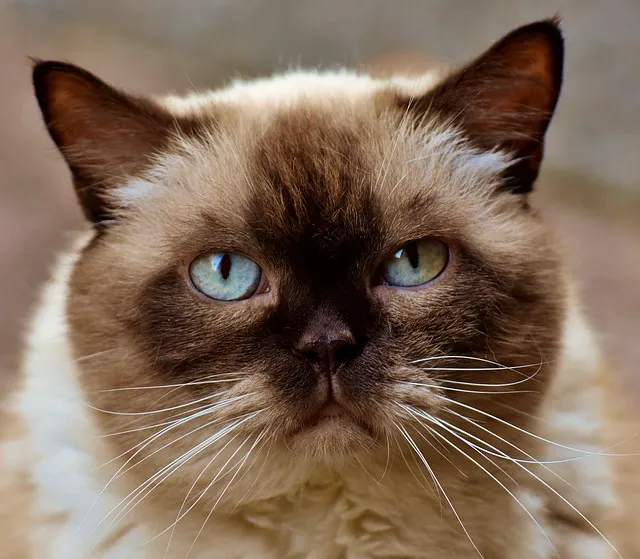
(294, 88)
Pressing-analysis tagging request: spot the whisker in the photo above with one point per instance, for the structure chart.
(488, 385)
(180, 515)
(493, 477)
(569, 504)
(147, 441)
(205, 425)
(473, 369)
(524, 431)
(438, 387)
(200, 412)
(416, 413)
(495, 365)
(180, 406)
(238, 469)
(498, 366)
(429, 489)
(193, 383)
(455, 512)
(164, 473)
(501, 453)
(437, 449)
(258, 474)
(92, 355)
(168, 422)
(386, 466)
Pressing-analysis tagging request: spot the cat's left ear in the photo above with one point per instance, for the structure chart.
(505, 98)
(106, 136)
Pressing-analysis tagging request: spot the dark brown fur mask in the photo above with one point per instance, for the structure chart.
(322, 191)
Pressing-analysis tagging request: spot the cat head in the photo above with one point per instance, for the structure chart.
(321, 261)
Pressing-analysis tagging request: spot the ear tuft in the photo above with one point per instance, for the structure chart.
(504, 100)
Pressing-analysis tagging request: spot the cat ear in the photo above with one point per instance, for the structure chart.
(506, 97)
(105, 135)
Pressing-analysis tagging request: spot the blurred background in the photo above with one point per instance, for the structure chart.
(590, 189)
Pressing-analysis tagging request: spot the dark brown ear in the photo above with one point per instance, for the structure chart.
(104, 135)
(505, 98)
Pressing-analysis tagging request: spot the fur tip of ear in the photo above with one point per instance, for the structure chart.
(550, 27)
(41, 67)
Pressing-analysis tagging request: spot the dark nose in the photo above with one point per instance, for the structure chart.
(327, 346)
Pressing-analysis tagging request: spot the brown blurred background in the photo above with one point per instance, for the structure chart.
(590, 190)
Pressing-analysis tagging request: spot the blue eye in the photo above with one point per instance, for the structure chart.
(416, 263)
(225, 276)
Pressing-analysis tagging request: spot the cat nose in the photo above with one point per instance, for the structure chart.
(327, 349)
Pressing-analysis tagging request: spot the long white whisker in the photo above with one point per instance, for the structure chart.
(488, 385)
(180, 514)
(499, 453)
(429, 489)
(148, 441)
(164, 473)
(511, 494)
(438, 387)
(257, 476)
(524, 431)
(495, 366)
(498, 366)
(437, 449)
(181, 437)
(173, 419)
(238, 469)
(569, 504)
(195, 414)
(92, 355)
(455, 512)
(417, 414)
(386, 466)
(181, 406)
(155, 387)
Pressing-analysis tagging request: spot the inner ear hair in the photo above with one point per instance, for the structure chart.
(505, 98)
(104, 134)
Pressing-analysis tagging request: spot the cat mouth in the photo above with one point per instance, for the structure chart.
(330, 416)
(330, 410)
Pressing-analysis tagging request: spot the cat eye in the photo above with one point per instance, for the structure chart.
(226, 276)
(415, 264)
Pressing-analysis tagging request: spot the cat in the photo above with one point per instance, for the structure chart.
(316, 315)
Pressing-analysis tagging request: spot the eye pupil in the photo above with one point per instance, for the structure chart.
(225, 266)
(413, 255)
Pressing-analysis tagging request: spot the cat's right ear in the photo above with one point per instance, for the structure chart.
(504, 100)
(105, 136)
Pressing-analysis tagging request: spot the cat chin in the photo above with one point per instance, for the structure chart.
(331, 440)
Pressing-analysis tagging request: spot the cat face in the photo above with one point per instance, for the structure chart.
(322, 262)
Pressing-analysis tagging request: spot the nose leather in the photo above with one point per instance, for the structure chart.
(327, 343)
